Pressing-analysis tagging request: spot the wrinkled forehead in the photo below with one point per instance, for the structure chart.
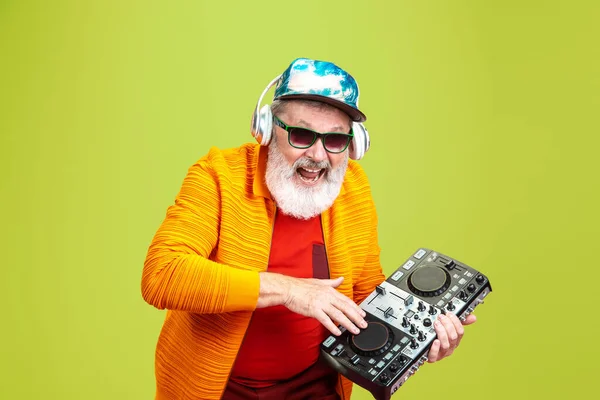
(317, 116)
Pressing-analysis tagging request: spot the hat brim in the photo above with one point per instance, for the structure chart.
(354, 114)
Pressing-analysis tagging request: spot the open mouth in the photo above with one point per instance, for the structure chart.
(310, 176)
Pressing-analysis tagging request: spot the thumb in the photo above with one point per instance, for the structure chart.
(471, 318)
(336, 282)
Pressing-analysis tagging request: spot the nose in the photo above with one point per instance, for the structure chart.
(317, 152)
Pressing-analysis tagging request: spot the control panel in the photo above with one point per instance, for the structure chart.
(400, 316)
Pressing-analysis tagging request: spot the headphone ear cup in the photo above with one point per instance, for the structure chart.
(262, 125)
(360, 142)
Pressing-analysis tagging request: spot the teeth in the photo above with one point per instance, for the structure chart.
(311, 170)
(309, 180)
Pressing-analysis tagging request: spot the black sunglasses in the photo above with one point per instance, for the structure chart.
(303, 138)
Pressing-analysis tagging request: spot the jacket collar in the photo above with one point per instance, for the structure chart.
(259, 187)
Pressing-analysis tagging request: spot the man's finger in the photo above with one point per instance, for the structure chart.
(352, 311)
(341, 319)
(460, 331)
(440, 330)
(471, 319)
(355, 306)
(446, 320)
(432, 356)
(327, 323)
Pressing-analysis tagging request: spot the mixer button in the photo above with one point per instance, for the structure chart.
(396, 347)
(419, 254)
(372, 361)
(397, 275)
(330, 340)
(462, 281)
(408, 265)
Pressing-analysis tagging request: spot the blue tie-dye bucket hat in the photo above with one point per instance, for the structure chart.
(320, 81)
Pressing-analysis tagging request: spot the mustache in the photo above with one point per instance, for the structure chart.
(311, 164)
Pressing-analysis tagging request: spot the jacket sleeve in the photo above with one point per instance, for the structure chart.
(372, 273)
(177, 273)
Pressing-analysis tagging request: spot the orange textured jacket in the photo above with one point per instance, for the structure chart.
(203, 264)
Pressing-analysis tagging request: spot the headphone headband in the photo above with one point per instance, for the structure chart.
(262, 120)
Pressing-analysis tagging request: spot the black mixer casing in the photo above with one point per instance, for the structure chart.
(401, 312)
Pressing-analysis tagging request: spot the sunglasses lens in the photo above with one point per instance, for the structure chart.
(301, 138)
(336, 142)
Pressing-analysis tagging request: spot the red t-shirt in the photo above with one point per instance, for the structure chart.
(279, 343)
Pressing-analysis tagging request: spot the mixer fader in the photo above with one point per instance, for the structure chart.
(400, 315)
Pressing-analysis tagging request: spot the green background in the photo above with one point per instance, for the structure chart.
(484, 124)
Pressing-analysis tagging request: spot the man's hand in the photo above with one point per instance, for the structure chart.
(316, 298)
(449, 330)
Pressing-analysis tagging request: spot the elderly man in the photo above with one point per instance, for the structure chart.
(269, 248)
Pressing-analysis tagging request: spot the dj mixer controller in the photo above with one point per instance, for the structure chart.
(400, 316)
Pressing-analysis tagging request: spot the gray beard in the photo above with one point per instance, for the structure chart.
(294, 199)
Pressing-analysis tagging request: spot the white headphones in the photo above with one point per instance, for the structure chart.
(262, 128)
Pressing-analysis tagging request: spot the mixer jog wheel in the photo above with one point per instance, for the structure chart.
(374, 340)
(429, 281)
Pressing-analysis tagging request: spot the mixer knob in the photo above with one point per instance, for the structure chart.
(421, 306)
(462, 295)
(432, 310)
(413, 343)
(394, 367)
(421, 336)
(427, 322)
(405, 322)
(384, 377)
(480, 279)
(413, 329)
(451, 306)
(471, 288)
